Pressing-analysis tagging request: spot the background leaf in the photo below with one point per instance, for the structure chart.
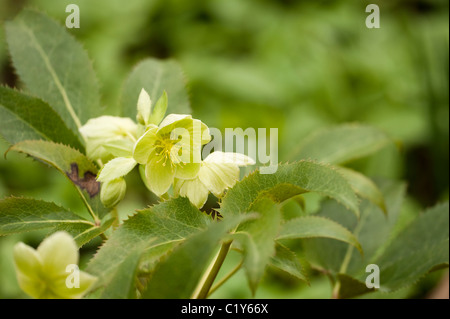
(54, 67)
(156, 76)
(341, 144)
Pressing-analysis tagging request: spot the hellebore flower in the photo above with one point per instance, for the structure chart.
(172, 150)
(219, 171)
(109, 136)
(51, 271)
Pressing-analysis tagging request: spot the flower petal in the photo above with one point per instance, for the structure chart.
(56, 253)
(218, 177)
(106, 127)
(64, 287)
(116, 168)
(144, 107)
(145, 145)
(159, 174)
(194, 190)
(112, 192)
(174, 120)
(27, 261)
(187, 170)
(229, 158)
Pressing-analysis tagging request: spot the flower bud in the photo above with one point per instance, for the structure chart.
(112, 192)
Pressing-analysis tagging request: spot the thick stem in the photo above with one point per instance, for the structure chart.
(213, 271)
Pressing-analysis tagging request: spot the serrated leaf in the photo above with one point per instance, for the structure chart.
(287, 260)
(258, 241)
(73, 164)
(364, 187)
(23, 117)
(168, 222)
(170, 280)
(18, 215)
(342, 144)
(54, 67)
(420, 247)
(289, 180)
(156, 76)
(315, 226)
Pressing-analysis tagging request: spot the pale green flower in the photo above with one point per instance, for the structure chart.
(219, 171)
(172, 150)
(45, 273)
(109, 136)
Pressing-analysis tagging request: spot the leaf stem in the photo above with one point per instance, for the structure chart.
(225, 279)
(212, 272)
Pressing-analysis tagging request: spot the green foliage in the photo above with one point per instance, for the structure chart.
(342, 144)
(167, 250)
(54, 67)
(23, 117)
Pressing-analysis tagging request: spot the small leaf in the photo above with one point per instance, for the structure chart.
(73, 164)
(364, 187)
(18, 215)
(289, 180)
(23, 117)
(342, 144)
(54, 67)
(155, 76)
(313, 227)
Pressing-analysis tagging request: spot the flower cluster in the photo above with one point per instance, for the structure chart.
(167, 150)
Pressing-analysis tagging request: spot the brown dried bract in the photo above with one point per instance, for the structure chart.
(88, 182)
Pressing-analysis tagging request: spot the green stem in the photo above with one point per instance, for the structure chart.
(213, 271)
(225, 279)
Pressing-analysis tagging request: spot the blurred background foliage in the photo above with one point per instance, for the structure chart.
(292, 64)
